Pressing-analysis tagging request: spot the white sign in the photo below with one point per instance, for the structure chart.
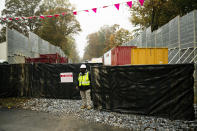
(66, 77)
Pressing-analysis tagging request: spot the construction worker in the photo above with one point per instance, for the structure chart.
(84, 86)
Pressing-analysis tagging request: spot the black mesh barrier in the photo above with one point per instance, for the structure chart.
(39, 80)
(155, 90)
(7, 82)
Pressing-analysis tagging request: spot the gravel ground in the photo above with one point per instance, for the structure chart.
(129, 121)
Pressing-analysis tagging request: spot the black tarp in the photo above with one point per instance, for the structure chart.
(39, 80)
(156, 90)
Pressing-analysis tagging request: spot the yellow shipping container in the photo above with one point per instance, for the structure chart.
(146, 56)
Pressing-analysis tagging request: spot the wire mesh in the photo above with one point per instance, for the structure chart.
(10, 39)
(16, 59)
(174, 32)
(174, 56)
(178, 35)
(34, 44)
(158, 36)
(187, 55)
(150, 38)
(139, 41)
(20, 46)
(165, 34)
(57, 49)
(45, 47)
(143, 38)
(187, 30)
(53, 49)
(133, 42)
(195, 21)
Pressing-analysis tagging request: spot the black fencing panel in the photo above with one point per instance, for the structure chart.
(46, 81)
(39, 80)
(6, 82)
(156, 90)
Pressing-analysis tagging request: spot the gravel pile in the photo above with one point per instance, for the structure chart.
(136, 122)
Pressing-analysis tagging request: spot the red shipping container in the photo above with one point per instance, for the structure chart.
(55, 56)
(27, 60)
(39, 60)
(47, 58)
(121, 55)
(63, 60)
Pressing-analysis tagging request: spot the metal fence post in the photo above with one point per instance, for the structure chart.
(155, 38)
(194, 14)
(179, 36)
(195, 81)
(146, 38)
(7, 44)
(162, 37)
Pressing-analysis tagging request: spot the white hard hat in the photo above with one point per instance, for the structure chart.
(83, 66)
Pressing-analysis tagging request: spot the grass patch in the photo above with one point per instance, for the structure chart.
(12, 102)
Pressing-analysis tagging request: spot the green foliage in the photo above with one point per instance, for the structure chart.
(58, 31)
(3, 35)
(73, 54)
(21, 8)
(119, 37)
(70, 50)
(156, 13)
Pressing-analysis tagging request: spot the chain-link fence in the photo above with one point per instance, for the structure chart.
(20, 46)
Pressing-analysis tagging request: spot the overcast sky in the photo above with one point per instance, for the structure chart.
(91, 22)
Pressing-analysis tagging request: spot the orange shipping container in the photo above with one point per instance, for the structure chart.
(146, 56)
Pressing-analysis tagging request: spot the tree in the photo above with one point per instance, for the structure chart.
(105, 39)
(107, 32)
(59, 30)
(92, 49)
(21, 8)
(56, 29)
(98, 41)
(156, 13)
(70, 50)
(3, 35)
(119, 37)
(183, 6)
(74, 54)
